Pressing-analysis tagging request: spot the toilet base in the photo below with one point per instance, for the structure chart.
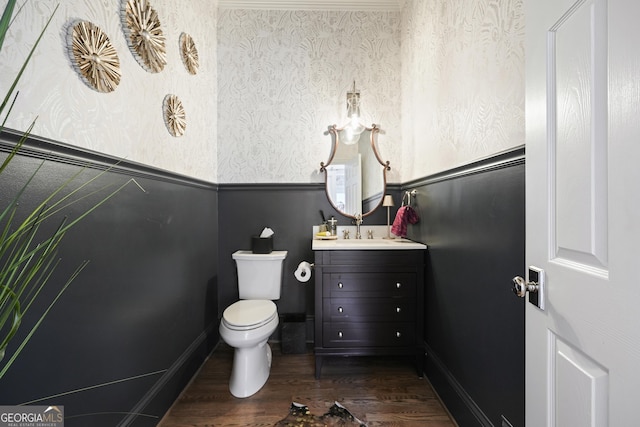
(250, 371)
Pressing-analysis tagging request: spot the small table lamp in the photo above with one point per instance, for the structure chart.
(388, 202)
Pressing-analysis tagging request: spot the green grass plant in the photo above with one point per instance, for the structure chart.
(28, 256)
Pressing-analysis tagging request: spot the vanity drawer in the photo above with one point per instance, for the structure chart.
(369, 285)
(368, 334)
(371, 259)
(401, 309)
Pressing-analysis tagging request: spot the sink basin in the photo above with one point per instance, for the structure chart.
(365, 244)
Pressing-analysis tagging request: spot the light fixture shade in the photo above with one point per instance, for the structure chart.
(388, 201)
(353, 103)
(354, 128)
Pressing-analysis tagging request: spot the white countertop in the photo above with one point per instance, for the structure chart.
(377, 243)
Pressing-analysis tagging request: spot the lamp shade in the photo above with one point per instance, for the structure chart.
(388, 200)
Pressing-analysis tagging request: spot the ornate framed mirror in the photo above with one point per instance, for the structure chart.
(355, 174)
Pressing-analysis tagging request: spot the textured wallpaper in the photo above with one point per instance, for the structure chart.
(444, 79)
(127, 122)
(462, 82)
(283, 78)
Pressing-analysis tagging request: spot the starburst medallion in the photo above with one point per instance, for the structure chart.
(94, 57)
(189, 53)
(144, 35)
(174, 116)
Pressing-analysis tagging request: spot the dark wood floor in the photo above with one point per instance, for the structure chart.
(379, 391)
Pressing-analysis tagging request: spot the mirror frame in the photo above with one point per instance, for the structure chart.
(374, 130)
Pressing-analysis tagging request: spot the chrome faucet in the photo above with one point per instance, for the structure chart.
(358, 222)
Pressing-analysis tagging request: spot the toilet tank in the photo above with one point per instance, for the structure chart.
(259, 275)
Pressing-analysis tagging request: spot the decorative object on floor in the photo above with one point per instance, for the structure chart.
(189, 53)
(174, 116)
(144, 35)
(94, 57)
(338, 415)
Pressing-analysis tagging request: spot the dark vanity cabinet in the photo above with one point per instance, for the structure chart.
(369, 302)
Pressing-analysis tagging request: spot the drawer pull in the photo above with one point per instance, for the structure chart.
(398, 309)
(340, 334)
(398, 334)
(398, 285)
(340, 309)
(340, 285)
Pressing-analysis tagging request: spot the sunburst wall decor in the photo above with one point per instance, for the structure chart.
(189, 53)
(174, 116)
(93, 56)
(144, 35)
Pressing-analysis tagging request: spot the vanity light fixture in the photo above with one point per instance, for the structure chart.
(354, 128)
(388, 202)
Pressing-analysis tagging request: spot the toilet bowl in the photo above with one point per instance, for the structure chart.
(247, 325)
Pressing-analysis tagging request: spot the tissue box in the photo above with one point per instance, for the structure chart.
(261, 245)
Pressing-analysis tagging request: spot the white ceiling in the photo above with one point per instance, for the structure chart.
(364, 5)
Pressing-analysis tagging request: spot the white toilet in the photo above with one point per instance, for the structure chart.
(247, 324)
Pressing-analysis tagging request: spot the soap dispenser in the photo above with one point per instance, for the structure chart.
(333, 226)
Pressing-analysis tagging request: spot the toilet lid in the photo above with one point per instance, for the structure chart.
(249, 313)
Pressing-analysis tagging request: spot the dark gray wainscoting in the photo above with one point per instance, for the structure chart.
(134, 327)
(473, 219)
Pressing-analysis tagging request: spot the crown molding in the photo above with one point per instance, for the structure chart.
(354, 5)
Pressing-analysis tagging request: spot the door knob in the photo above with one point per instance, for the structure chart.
(521, 286)
(535, 286)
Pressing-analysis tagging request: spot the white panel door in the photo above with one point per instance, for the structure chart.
(583, 212)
